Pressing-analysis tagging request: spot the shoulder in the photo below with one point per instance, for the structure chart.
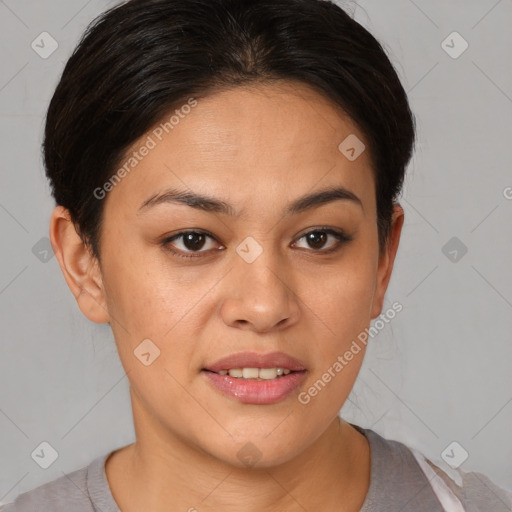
(68, 492)
(402, 478)
(475, 491)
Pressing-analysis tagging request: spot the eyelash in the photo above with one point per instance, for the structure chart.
(339, 235)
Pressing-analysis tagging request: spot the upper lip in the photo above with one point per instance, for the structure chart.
(255, 360)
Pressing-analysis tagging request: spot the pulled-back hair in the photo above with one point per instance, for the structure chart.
(140, 59)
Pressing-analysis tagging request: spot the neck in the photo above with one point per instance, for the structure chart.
(160, 470)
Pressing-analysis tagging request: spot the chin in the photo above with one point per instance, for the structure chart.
(258, 451)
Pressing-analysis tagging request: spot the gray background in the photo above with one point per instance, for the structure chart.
(439, 372)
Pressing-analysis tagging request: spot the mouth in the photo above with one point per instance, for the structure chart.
(255, 373)
(254, 378)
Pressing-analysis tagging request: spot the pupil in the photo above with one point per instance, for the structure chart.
(317, 239)
(193, 241)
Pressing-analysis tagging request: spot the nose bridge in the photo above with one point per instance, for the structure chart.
(259, 293)
(263, 278)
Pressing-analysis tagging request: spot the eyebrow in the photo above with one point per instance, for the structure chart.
(212, 204)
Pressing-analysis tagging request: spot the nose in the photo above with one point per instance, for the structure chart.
(259, 296)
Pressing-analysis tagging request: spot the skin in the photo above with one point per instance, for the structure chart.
(258, 149)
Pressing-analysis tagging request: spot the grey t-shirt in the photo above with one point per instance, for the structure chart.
(397, 483)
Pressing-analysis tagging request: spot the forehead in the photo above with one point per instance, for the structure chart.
(270, 141)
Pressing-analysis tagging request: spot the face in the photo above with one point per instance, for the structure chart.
(267, 272)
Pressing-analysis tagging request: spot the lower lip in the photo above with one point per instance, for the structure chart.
(256, 391)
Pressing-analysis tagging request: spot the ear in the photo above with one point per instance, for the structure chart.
(80, 268)
(386, 260)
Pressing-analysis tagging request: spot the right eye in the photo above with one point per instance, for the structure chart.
(191, 242)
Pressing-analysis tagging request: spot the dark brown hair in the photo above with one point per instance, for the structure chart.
(141, 58)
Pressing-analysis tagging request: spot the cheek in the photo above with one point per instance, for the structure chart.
(341, 312)
(342, 297)
(142, 295)
(146, 302)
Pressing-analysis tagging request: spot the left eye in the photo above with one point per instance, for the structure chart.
(317, 239)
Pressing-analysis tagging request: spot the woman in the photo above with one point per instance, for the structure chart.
(226, 174)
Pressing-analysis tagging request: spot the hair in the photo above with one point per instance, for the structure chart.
(138, 60)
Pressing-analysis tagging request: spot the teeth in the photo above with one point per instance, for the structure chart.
(255, 373)
(250, 373)
(269, 373)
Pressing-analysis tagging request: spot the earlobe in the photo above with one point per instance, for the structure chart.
(80, 268)
(387, 259)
